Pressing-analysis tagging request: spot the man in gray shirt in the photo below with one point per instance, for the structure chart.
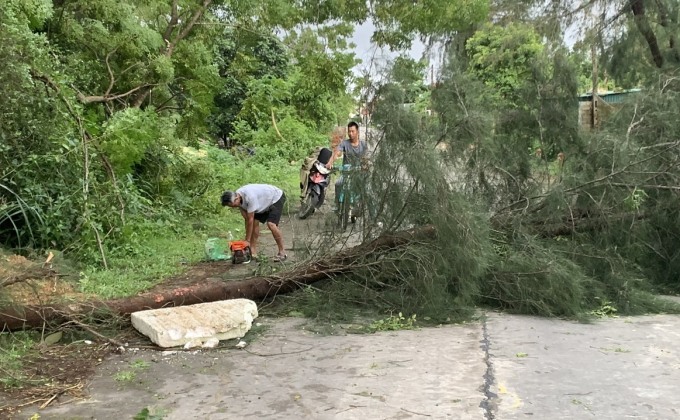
(353, 151)
(262, 203)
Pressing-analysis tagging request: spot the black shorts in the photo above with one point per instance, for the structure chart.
(273, 213)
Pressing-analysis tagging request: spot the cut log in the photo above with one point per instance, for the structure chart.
(254, 288)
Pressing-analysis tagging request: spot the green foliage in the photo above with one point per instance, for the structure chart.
(130, 375)
(162, 69)
(318, 11)
(15, 211)
(35, 11)
(290, 140)
(636, 198)
(323, 70)
(648, 236)
(397, 21)
(307, 80)
(394, 323)
(265, 97)
(531, 278)
(150, 414)
(558, 244)
(409, 75)
(652, 33)
(585, 75)
(128, 135)
(503, 58)
(35, 135)
(13, 349)
(245, 57)
(605, 310)
(497, 122)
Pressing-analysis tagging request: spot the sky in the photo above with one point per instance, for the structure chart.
(375, 58)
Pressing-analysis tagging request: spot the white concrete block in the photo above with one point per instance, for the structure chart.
(176, 326)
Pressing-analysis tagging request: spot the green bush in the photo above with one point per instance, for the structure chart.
(292, 142)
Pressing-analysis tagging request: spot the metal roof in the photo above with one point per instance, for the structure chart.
(611, 97)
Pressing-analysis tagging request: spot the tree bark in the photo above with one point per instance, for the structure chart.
(642, 23)
(670, 23)
(255, 288)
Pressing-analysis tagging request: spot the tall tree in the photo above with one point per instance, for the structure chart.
(399, 21)
(243, 55)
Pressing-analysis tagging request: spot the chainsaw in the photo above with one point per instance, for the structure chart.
(240, 252)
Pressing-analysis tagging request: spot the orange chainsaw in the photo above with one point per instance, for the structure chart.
(240, 252)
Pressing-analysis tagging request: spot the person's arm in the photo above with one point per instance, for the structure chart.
(249, 219)
(334, 156)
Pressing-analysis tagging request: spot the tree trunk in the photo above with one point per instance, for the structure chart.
(643, 25)
(18, 317)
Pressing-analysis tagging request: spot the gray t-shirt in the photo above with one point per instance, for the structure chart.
(257, 198)
(352, 155)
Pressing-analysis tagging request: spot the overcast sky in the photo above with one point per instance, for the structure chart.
(377, 58)
(373, 57)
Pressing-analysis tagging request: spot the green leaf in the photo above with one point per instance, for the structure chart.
(52, 338)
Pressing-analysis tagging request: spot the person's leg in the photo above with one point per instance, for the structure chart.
(273, 224)
(256, 236)
(278, 237)
(259, 218)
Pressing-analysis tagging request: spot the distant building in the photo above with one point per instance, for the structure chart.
(605, 103)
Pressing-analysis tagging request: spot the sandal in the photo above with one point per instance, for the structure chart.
(280, 258)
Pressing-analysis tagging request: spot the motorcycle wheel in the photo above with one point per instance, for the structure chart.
(308, 206)
(356, 209)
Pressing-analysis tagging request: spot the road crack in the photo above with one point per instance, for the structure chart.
(488, 404)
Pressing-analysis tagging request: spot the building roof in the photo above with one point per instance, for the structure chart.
(609, 96)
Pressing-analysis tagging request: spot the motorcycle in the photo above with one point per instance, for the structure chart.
(314, 180)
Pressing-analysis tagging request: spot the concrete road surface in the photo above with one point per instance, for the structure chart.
(503, 367)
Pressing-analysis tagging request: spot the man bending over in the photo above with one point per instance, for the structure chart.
(262, 203)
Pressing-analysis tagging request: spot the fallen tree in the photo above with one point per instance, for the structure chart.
(255, 288)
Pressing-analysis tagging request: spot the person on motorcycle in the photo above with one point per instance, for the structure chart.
(353, 152)
(261, 203)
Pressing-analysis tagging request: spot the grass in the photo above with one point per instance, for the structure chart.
(130, 375)
(394, 323)
(157, 255)
(151, 413)
(13, 348)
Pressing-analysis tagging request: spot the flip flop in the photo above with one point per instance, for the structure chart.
(280, 258)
